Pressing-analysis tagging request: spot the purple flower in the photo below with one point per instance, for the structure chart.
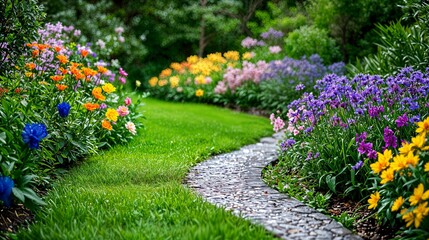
(358, 165)
(33, 134)
(308, 130)
(414, 119)
(309, 156)
(375, 111)
(288, 143)
(6, 185)
(63, 109)
(299, 87)
(364, 147)
(389, 138)
(372, 154)
(360, 137)
(402, 121)
(122, 72)
(103, 106)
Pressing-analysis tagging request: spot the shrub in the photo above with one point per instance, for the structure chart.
(309, 40)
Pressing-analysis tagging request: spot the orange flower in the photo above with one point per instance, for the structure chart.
(42, 47)
(165, 73)
(30, 66)
(91, 106)
(35, 52)
(57, 48)
(61, 87)
(102, 69)
(89, 71)
(96, 92)
(57, 78)
(63, 59)
(106, 125)
(84, 52)
(63, 71)
(78, 74)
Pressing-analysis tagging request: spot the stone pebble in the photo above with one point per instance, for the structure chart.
(233, 181)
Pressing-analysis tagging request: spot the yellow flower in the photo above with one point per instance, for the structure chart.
(373, 200)
(419, 142)
(216, 58)
(192, 59)
(112, 114)
(383, 161)
(108, 88)
(106, 125)
(153, 81)
(427, 167)
(412, 159)
(200, 79)
(174, 81)
(418, 195)
(397, 204)
(387, 176)
(138, 83)
(199, 93)
(248, 55)
(399, 163)
(423, 126)
(406, 148)
(408, 217)
(176, 66)
(232, 55)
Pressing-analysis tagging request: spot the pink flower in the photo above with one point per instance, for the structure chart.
(128, 101)
(123, 111)
(275, 49)
(122, 72)
(131, 127)
(278, 123)
(122, 80)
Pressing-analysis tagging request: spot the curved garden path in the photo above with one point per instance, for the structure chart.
(233, 181)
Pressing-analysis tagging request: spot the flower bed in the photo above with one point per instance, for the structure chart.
(59, 104)
(351, 136)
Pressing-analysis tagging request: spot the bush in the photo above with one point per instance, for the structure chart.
(400, 46)
(309, 40)
(19, 24)
(60, 104)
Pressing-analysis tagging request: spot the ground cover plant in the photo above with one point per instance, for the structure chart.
(135, 191)
(59, 103)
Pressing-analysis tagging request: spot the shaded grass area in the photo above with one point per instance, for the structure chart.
(135, 191)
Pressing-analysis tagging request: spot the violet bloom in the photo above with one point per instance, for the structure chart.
(309, 156)
(364, 147)
(402, 121)
(358, 165)
(389, 138)
(372, 154)
(299, 87)
(360, 137)
(288, 143)
(414, 119)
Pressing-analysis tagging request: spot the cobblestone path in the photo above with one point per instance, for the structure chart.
(233, 181)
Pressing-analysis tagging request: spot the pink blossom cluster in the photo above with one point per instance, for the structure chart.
(278, 123)
(249, 42)
(235, 77)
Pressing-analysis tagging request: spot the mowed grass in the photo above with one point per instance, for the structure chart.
(136, 191)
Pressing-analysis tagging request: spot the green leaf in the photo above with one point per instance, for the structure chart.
(2, 138)
(30, 194)
(18, 194)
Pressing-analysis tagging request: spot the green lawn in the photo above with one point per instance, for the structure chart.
(135, 191)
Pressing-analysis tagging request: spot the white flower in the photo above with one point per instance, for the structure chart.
(131, 127)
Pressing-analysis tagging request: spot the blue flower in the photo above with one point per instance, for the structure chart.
(63, 109)
(33, 134)
(6, 185)
(358, 165)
